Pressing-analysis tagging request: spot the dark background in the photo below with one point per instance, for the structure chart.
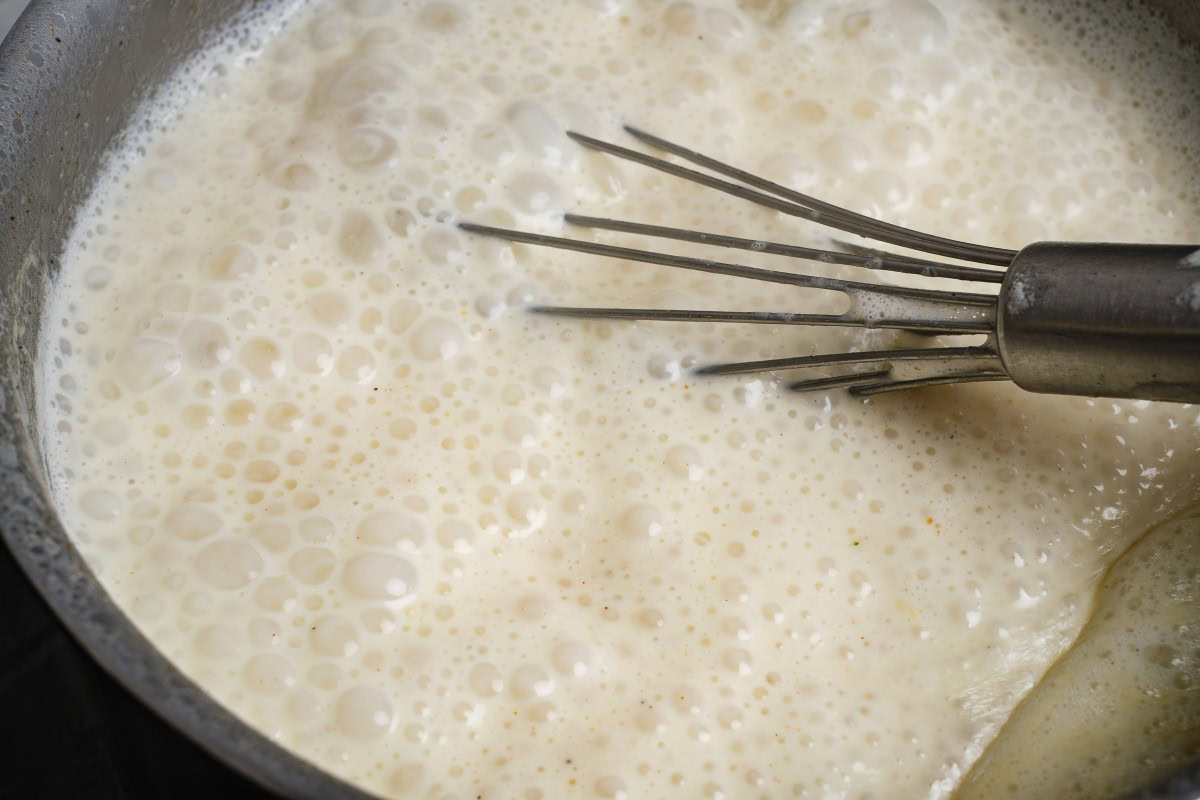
(72, 731)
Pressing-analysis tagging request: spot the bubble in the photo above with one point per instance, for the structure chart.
(436, 339)
(111, 432)
(527, 512)
(550, 381)
(351, 82)
(198, 416)
(572, 658)
(508, 467)
(843, 154)
(917, 24)
(493, 145)
(402, 429)
(737, 628)
(650, 721)
(359, 238)
(317, 530)
(530, 680)
(730, 718)
(205, 344)
(1065, 202)
(542, 136)
(304, 705)
(356, 364)
(443, 18)
(234, 382)
(333, 636)
(365, 149)
(611, 786)
(791, 170)
(397, 529)
(457, 536)
(1023, 200)
(228, 564)
(379, 576)
(312, 353)
(521, 430)
(684, 462)
(688, 699)
(909, 142)
(885, 189)
(284, 417)
(735, 590)
(263, 358)
(275, 595)
(228, 262)
(664, 368)
(173, 297)
(269, 674)
(538, 466)
(642, 520)
(407, 779)
(97, 278)
(295, 176)
(326, 677)
(240, 412)
(219, 642)
(261, 471)
(143, 363)
(264, 633)
(401, 315)
(737, 660)
(312, 565)
(100, 505)
(274, 536)
(400, 221)
(368, 8)
(442, 246)
(535, 193)
(330, 308)
(378, 620)
(191, 522)
(370, 321)
(363, 713)
(485, 680)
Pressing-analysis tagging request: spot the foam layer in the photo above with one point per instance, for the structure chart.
(302, 429)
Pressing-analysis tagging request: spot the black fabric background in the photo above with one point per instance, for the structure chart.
(70, 730)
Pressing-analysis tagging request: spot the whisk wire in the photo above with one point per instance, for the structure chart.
(867, 259)
(942, 311)
(791, 202)
(967, 357)
(930, 311)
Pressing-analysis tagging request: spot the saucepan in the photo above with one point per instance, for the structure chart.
(71, 74)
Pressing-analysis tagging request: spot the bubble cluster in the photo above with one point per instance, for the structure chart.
(308, 437)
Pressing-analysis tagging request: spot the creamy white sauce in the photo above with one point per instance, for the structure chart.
(302, 429)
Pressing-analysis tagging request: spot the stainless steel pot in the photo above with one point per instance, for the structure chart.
(71, 74)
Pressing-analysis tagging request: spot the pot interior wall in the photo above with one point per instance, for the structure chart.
(71, 74)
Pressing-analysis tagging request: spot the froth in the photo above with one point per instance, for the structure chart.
(301, 426)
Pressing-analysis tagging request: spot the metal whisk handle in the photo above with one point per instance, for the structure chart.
(1110, 320)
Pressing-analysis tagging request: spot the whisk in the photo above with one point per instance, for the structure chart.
(1100, 320)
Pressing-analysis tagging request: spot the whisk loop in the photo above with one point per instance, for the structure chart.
(927, 311)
